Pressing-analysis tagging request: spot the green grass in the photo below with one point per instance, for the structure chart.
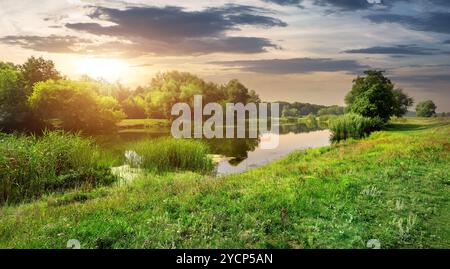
(169, 154)
(31, 166)
(353, 126)
(392, 186)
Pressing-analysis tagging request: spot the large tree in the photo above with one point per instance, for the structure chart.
(13, 99)
(401, 103)
(236, 92)
(426, 109)
(75, 105)
(16, 87)
(38, 69)
(373, 96)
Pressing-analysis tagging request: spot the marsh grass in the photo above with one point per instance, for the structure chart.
(353, 126)
(169, 154)
(31, 166)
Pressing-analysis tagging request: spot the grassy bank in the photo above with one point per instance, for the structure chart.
(31, 166)
(392, 186)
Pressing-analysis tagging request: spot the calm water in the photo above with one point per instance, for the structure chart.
(237, 155)
(288, 143)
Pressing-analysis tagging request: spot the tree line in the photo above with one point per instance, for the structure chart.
(298, 109)
(35, 96)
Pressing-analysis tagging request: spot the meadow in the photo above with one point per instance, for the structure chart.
(392, 186)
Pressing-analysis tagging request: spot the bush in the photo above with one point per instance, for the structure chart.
(32, 166)
(354, 126)
(168, 154)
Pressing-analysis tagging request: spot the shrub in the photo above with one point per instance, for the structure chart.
(32, 166)
(354, 126)
(168, 154)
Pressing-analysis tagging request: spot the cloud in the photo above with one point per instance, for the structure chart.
(437, 22)
(440, 2)
(168, 23)
(428, 83)
(73, 44)
(296, 3)
(353, 5)
(53, 43)
(174, 30)
(447, 42)
(203, 46)
(295, 65)
(141, 65)
(398, 50)
(346, 5)
(425, 78)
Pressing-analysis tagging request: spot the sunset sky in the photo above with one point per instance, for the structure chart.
(292, 50)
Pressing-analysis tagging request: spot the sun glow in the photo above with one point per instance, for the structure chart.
(108, 69)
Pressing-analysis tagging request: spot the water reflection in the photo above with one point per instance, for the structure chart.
(289, 142)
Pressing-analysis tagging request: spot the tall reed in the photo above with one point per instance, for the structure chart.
(31, 166)
(353, 126)
(169, 154)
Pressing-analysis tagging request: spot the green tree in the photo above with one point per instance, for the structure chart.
(290, 112)
(13, 99)
(236, 92)
(38, 69)
(169, 88)
(373, 96)
(332, 110)
(426, 109)
(401, 103)
(134, 107)
(74, 106)
(304, 109)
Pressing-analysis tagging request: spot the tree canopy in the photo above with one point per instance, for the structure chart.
(167, 89)
(297, 109)
(13, 98)
(16, 85)
(374, 96)
(426, 109)
(401, 103)
(38, 69)
(75, 105)
(332, 110)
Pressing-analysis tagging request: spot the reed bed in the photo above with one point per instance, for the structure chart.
(170, 154)
(31, 166)
(353, 126)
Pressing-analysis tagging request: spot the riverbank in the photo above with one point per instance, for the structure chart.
(392, 187)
